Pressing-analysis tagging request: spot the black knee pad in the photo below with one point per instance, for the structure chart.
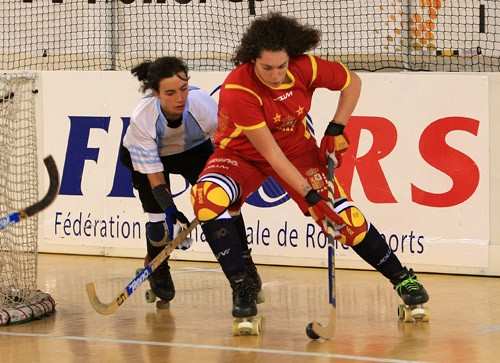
(156, 237)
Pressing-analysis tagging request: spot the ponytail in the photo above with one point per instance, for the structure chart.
(151, 73)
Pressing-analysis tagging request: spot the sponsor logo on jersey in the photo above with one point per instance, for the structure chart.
(284, 96)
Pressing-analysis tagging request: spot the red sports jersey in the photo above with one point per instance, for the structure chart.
(246, 103)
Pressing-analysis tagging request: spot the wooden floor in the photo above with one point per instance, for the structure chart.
(464, 326)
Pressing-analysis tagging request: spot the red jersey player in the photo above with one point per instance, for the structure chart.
(262, 132)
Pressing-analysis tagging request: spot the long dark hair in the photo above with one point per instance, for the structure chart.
(151, 73)
(276, 32)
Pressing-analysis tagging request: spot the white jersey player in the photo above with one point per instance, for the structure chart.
(170, 133)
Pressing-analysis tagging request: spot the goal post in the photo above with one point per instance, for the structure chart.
(20, 300)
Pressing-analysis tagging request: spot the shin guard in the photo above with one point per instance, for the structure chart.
(224, 240)
(240, 226)
(375, 250)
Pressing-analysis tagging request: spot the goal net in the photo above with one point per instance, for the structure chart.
(20, 301)
(431, 35)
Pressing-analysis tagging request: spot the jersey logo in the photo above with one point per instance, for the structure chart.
(284, 96)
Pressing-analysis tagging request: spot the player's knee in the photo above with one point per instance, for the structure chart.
(209, 200)
(156, 233)
(356, 226)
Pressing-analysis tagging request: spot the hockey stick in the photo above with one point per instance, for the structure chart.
(110, 308)
(17, 216)
(315, 330)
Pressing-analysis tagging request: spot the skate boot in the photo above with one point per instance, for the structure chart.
(253, 275)
(160, 280)
(244, 311)
(413, 294)
(162, 286)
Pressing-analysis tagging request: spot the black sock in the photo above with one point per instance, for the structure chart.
(375, 250)
(224, 240)
(240, 226)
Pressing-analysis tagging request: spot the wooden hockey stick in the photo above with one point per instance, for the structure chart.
(315, 330)
(110, 308)
(17, 216)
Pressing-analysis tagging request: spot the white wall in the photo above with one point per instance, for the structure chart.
(494, 107)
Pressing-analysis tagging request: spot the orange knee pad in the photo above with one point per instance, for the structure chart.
(209, 200)
(356, 226)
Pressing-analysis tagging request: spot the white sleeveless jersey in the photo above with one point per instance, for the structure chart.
(148, 137)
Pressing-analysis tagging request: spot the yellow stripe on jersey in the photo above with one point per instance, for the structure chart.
(307, 134)
(237, 131)
(242, 88)
(286, 85)
(223, 143)
(253, 127)
(314, 67)
(342, 193)
(348, 78)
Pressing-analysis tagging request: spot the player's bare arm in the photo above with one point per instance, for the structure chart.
(348, 100)
(264, 142)
(156, 179)
(335, 143)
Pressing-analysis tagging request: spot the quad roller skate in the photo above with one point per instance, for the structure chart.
(162, 288)
(414, 296)
(246, 321)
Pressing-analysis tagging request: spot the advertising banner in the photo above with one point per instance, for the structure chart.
(417, 168)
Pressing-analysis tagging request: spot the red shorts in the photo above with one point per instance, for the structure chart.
(251, 174)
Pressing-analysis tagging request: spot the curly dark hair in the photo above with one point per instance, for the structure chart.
(151, 73)
(276, 32)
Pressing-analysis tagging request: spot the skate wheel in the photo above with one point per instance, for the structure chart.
(150, 296)
(417, 313)
(420, 313)
(411, 314)
(246, 326)
(310, 332)
(256, 327)
(162, 304)
(427, 316)
(401, 312)
(407, 317)
(242, 327)
(404, 313)
(260, 297)
(235, 328)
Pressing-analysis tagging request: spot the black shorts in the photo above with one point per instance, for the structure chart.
(189, 164)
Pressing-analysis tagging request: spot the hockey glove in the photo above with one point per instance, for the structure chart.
(333, 144)
(172, 215)
(171, 220)
(166, 202)
(182, 223)
(321, 211)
